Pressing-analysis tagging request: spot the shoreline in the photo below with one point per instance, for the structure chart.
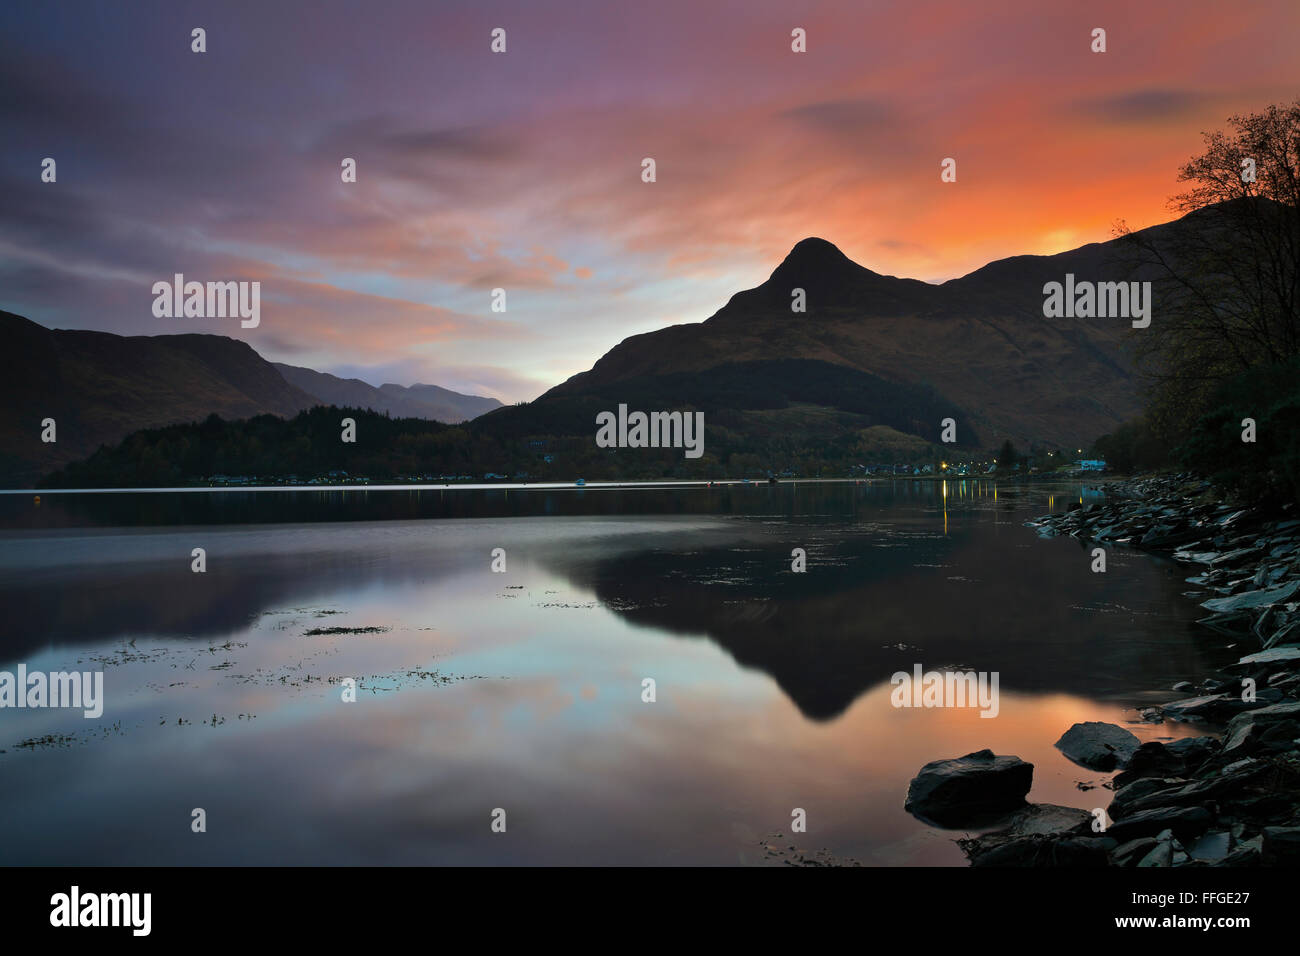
(1232, 796)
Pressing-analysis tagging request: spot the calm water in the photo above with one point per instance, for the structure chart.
(523, 690)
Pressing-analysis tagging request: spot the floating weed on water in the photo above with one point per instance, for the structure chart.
(47, 741)
(791, 855)
(623, 605)
(330, 631)
(126, 654)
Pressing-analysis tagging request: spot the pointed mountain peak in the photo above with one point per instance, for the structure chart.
(815, 264)
(816, 256)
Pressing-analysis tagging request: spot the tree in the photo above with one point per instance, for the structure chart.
(1007, 457)
(1227, 279)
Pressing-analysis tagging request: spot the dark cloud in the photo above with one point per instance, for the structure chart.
(846, 114)
(1144, 106)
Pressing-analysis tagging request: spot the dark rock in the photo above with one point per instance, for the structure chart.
(1041, 835)
(1231, 623)
(1130, 794)
(1023, 841)
(1151, 759)
(1134, 850)
(1194, 750)
(1243, 741)
(1193, 706)
(1185, 822)
(1281, 845)
(1275, 655)
(1098, 745)
(1289, 710)
(1280, 736)
(1241, 856)
(962, 790)
(1226, 785)
(1044, 851)
(1283, 636)
(1253, 599)
(1162, 854)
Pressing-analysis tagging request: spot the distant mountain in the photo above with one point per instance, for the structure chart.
(867, 373)
(883, 350)
(100, 387)
(414, 401)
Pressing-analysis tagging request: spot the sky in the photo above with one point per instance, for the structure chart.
(522, 170)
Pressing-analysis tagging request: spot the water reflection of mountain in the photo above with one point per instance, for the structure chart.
(886, 587)
(1002, 601)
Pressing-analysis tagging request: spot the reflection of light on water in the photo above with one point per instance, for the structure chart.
(945, 508)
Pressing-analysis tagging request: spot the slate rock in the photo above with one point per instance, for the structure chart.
(963, 790)
(1098, 745)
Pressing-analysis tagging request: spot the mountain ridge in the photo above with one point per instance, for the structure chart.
(100, 387)
(980, 339)
(402, 401)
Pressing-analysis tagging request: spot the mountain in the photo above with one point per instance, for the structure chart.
(885, 350)
(867, 373)
(99, 387)
(415, 401)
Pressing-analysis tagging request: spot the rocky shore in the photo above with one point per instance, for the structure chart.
(1228, 798)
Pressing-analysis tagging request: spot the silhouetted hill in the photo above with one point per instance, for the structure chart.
(979, 343)
(872, 366)
(100, 387)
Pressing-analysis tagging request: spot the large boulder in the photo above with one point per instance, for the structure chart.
(1098, 745)
(967, 790)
